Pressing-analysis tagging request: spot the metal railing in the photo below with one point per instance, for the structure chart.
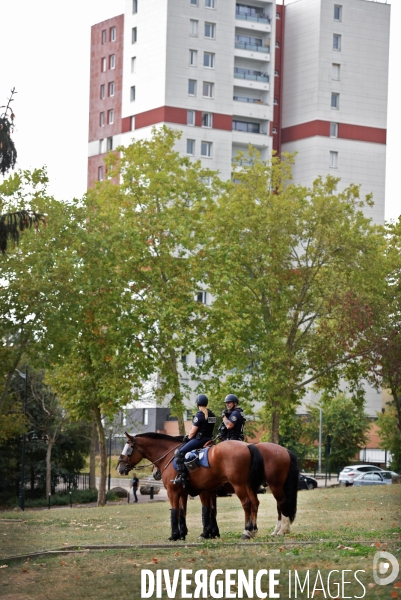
(253, 47)
(253, 18)
(249, 100)
(251, 75)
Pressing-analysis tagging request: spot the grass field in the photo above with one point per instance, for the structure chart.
(336, 529)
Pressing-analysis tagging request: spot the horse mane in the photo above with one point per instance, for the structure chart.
(161, 436)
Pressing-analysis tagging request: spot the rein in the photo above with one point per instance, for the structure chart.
(151, 463)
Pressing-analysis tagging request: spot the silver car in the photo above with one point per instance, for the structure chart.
(375, 478)
(348, 474)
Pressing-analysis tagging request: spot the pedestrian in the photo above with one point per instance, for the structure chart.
(134, 486)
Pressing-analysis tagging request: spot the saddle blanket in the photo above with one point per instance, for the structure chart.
(201, 453)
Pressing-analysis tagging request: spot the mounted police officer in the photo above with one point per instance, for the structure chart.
(232, 427)
(201, 432)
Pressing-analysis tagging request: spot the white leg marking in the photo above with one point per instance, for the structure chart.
(285, 525)
(277, 528)
(246, 535)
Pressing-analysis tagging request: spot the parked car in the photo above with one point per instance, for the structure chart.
(348, 474)
(306, 482)
(375, 478)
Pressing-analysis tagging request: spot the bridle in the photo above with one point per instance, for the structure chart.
(128, 467)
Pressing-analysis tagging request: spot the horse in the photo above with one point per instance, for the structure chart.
(239, 464)
(282, 476)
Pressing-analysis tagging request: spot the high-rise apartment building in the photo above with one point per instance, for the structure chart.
(309, 77)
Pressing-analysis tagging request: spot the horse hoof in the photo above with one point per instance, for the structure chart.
(246, 535)
(182, 537)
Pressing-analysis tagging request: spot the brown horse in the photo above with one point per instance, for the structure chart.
(234, 462)
(281, 475)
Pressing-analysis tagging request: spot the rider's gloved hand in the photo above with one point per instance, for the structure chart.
(186, 438)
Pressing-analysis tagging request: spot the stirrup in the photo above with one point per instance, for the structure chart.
(180, 479)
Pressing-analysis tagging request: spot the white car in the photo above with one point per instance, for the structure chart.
(348, 474)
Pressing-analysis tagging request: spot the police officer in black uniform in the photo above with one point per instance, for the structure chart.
(232, 427)
(201, 432)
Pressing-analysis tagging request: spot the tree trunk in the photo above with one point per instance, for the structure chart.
(92, 458)
(176, 402)
(101, 496)
(49, 466)
(274, 435)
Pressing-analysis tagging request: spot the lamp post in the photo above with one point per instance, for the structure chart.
(21, 498)
(320, 440)
(110, 432)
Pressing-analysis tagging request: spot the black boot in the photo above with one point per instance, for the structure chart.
(181, 471)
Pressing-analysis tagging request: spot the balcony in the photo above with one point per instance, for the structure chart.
(251, 75)
(252, 47)
(245, 99)
(248, 127)
(250, 13)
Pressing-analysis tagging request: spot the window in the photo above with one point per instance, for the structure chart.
(134, 35)
(206, 149)
(193, 27)
(111, 88)
(333, 160)
(190, 117)
(112, 61)
(335, 72)
(274, 130)
(207, 119)
(210, 30)
(101, 146)
(101, 119)
(246, 126)
(278, 16)
(208, 60)
(110, 117)
(277, 45)
(333, 130)
(210, 4)
(104, 36)
(133, 64)
(207, 90)
(275, 73)
(134, 7)
(338, 12)
(146, 416)
(336, 41)
(191, 147)
(109, 144)
(193, 58)
(102, 91)
(100, 175)
(335, 100)
(193, 2)
(113, 34)
(275, 101)
(191, 87)
(103, 64)
(132, 93)
(200, 360)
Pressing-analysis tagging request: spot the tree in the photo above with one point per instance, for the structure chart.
(390, 437)
(296, 276)
(8, 152)
(347, 424)
(131, 293)
(29, 276)
(383, 363)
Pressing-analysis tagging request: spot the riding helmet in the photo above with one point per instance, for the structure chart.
(202, 400)
(231, 398)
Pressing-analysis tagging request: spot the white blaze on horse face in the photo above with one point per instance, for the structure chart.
(125, 450)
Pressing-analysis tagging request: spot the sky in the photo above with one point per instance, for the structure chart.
(45, 55)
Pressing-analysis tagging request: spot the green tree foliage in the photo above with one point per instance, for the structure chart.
(296, 277)
(8, 152)
(31, 274)
(390, 437)
(345, 421)
(131, 292)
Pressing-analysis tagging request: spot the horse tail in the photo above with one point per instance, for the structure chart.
(257, 471)
(289, 505)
